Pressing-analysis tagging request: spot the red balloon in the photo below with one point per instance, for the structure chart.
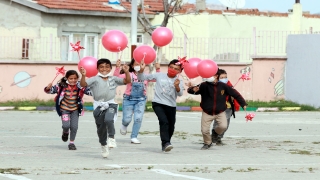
(114, 41)
(190, 69)
(207, 68)
(144, 52)
(162, 36)
(90, 65)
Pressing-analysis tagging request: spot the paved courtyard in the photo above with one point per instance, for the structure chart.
(275, 145)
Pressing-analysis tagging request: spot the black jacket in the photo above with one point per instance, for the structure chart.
(213, 97)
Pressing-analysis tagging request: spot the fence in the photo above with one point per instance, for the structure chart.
(218, 49)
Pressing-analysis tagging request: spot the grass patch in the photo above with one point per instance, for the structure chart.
(302, 152)
(224, 169)
(149, 132)
(295, 171)
(188, 102)
(196, 169)
(249, 169)
(150, 167)
(315, 142)
(16, 171)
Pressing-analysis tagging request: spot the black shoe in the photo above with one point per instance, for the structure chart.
(214, 136)
(167, 147)
(72, 147)
(64, 137)
(206, 147)
(219, 142)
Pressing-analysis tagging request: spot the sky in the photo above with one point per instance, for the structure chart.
(277, 5)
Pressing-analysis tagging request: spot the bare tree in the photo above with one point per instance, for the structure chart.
(169, 8)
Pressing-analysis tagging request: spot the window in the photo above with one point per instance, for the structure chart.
(139, 38)
(25, 48)
(87, 40)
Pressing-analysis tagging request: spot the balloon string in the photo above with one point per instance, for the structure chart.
(144, 55)
(120, 53)
(79, 55)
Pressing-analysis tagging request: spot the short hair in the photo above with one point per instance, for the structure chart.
(104, 61)
(175, 62)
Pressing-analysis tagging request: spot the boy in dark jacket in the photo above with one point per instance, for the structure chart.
(213, 103)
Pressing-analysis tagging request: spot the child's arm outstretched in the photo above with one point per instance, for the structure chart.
(83, 82)
(142, 76)
(237, 96)
(51, 89)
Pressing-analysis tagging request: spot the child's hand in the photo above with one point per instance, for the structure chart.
(49, 86)
(157, 65)
(196, 89)
(83, 71)
(125, 68)
(142, 66)
(118, 63)
(176, 83)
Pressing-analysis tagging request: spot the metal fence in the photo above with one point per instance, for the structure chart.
(219, 49)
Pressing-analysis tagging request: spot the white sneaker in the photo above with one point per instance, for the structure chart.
(135, 141)
(123, 130)
(104, 151)
(112, 143)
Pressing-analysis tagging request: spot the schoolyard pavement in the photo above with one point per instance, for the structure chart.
(275, 145)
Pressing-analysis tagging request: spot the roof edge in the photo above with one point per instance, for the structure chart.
(73, 12)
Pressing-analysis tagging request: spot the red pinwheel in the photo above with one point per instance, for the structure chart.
(182, 61)
(61, 71)
(244, 76)
(249, 116)
(76, 47)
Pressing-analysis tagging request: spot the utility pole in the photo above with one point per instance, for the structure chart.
(134, 17)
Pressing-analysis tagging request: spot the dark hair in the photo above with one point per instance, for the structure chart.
(221, 71)
(174, 62)
(102, 61)
(63, 81)
(131, 69)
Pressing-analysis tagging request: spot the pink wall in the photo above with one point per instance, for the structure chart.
(25, 80)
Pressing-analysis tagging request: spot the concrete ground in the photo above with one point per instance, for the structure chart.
(275, 145)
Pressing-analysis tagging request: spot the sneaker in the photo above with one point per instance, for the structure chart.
(167, 147)
(72, 147)
(206, 147)
(112, 143)
(65, 137)
(123, 130)
(214, 136)
(104, 151)
(219, 142)
(135, 141)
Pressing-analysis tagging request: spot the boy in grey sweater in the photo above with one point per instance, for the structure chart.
(103, 87)
(168, 86)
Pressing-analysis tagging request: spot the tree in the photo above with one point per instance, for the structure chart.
(169, 8)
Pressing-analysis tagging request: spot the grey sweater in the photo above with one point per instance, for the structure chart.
(165, 92)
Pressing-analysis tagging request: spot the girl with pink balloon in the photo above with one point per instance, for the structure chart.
(213, 103)
(69, 104)
(103, 87)
(168, 86)
(134, 99)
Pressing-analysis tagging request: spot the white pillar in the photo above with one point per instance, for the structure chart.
(297, 18)
(134, 17)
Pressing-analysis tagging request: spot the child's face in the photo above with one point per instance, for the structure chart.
(72, 79)
(175, 67)
(104, 68)
(136, 64)
(223, 76)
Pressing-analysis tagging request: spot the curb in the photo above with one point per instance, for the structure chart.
(149, 108)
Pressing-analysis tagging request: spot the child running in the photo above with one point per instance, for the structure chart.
(103, 87)
(68, 104)
(232, 106)
(168, 86)
(134, 99)
(213, 103)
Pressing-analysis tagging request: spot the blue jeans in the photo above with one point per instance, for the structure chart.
(133, 107)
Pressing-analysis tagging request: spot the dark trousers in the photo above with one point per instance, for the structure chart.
(167, 118)
(105, 123)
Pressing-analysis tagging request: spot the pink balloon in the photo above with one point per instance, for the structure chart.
(162, 36)
(144, 52)
(90, 65)
(190, 69)
(207, 68)
(114, 41)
